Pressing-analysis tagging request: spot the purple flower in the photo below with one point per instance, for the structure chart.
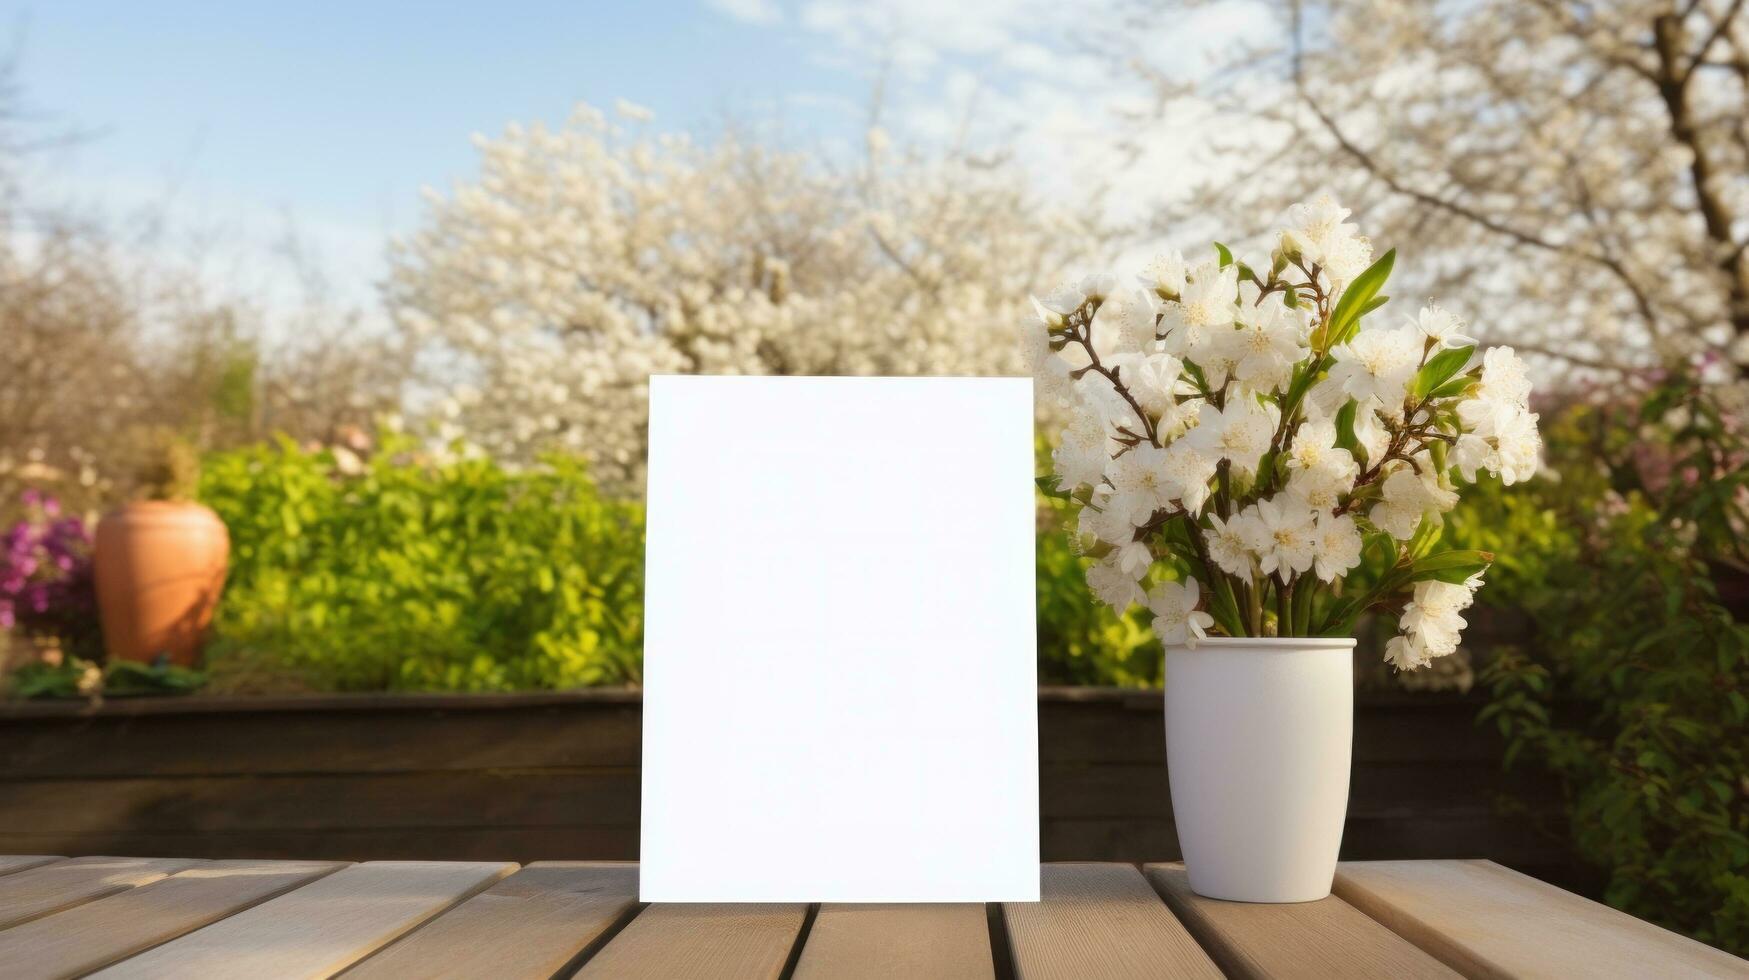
(45, 574)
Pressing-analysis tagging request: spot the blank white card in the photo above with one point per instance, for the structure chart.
(840, 699)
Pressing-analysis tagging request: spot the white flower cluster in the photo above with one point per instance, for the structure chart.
(585, 258)
(1431, 623)
(1239, 425)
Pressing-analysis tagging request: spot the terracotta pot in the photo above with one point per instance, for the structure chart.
(160, 566)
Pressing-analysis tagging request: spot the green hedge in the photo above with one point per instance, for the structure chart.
(462, 575)
(419, 574)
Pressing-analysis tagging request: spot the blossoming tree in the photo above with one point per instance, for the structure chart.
(1251, 459)
(1602, 146)
(586, 258)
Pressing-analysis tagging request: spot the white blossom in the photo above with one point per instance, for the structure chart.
(1157, 381)
(1314, 451)
(1406, 652)
(1320, 233)
(1265, 347)
(1082, 453)
(1431, 621)
(1114, 586)
(1404, 500)
(1337, 544)
(582, 258)
(1282, 534)
(1319, 490)
(1441, 326)
(1177, 622)
(1171, 436)
(1500, 430)
(1125, 324)
(1188, 472)
(1504, 378)
(1104, 523)
(1166, 275)
(1141, 484)
(1206, 305)
(1376, 365)
(1239, 433)
(1372, 437)
(1227, 547)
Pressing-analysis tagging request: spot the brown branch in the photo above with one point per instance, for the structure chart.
(1083, 335)
(1715, 214)
(1720, 30)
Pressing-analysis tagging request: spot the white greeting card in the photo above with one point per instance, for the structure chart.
(840, 699)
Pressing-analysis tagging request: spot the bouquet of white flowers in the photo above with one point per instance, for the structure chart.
(1252, 460)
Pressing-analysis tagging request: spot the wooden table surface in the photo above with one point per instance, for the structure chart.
(166, 917)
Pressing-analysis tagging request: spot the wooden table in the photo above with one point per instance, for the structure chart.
(165, 917)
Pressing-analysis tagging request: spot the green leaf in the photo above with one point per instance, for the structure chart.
(1225, 253)
(1047, 485)
(1345, 438)
(1453, 388)
(1196, 375)
(1439, 369)
(1450, 566)
(1345, 319)
(1373, 304)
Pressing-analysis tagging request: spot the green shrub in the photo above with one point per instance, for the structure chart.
(462, 575)
(1080, 640)
(1634, 687)
(419, 574)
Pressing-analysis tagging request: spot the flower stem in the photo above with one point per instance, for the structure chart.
(1284, 607)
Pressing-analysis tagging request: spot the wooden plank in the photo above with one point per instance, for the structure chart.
(1484, 920)
(480, 843)
(529, 925)
(1381, 789)
(210, 744)
(24, 862)
(321, 928)
(1310, 940)
(876, 942)
(1386, 730)
(278, 704)
(519, 798)
(96, 934)
(1406, 835)
(39, 891)
(408, 733)
(730, 942)
(1100, 920)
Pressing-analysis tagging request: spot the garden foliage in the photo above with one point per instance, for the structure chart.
(422, 573)
(1081, 641)
(1634, 686)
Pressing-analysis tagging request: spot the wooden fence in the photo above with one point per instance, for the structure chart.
(547, 776)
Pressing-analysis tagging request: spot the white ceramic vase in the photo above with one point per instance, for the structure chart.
(1259, 735)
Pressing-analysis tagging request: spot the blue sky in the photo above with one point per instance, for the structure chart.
(328, 117)
(354, 105)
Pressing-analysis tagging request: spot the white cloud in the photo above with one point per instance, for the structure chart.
(1052, 82)
(748, 11)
